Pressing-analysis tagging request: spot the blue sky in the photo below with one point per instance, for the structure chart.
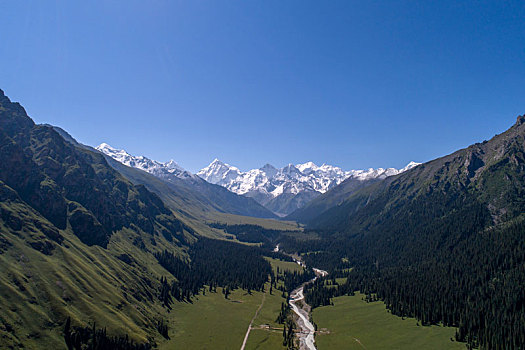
(356, 84)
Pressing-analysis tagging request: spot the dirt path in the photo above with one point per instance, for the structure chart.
(251, 322)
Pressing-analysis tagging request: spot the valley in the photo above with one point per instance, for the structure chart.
(262, 175)
(104, 250)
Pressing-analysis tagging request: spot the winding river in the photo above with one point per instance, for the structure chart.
(307, 330)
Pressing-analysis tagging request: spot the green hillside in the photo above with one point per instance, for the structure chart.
(332, 198)
(442, 242)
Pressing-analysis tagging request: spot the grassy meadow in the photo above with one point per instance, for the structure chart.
(284, 265)
(355, 324)
(213, 322)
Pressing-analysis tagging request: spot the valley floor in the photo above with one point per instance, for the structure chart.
(354, 324)
(213, 322)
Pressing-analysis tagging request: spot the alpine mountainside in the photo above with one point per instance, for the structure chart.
(444, 242)
(72, 187)
(89, 259)
(291, 187)
(185, 184)
(62, 208)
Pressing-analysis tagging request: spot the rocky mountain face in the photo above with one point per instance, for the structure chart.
(87, 241)
(74, 235)
(286, 189)
(192, 187)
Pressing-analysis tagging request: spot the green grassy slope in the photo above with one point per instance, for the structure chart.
(266, 333)
(89, 284)
(213, 322)
(285, 265)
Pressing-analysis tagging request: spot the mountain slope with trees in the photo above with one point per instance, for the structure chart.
(330, 199)
(72, 233)
(444, 242)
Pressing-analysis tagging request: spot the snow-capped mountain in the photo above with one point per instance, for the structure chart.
(168, 169)
(280, 190)
(286, 189)
(186, 184)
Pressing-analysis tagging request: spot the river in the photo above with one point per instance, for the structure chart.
(306, 332)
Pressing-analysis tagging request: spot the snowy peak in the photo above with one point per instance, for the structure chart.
(173, 165)
(279, 189)
(269, 182)
(170, 168)
(113, 152)
(409, 166)
(290, 169)
(124, 157)
(218, 172)
(105, 146)
(269, 170)
(307, 168)
(268, 166)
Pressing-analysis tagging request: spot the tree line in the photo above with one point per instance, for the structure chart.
(93, 338)
(212, 263)
(251, 233)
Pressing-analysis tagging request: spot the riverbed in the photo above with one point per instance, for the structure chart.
(306, 331)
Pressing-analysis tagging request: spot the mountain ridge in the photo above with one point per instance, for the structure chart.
(289, 188)
(84, 242)
(448, 233)
(182, 181)
(463, 168)
(75, 235)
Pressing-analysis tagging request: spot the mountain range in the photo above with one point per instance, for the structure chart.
(86, 240)
(280, 190)
(182, 183)
(167, 170)
(284, 190)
